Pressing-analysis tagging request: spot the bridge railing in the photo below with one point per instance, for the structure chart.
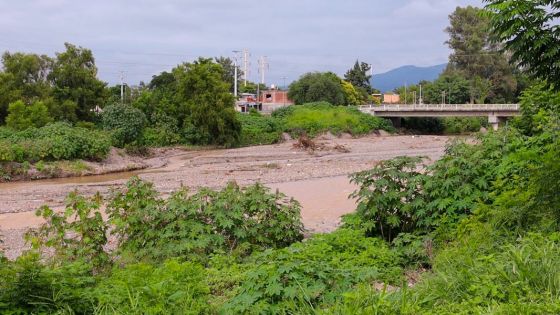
(439, 107)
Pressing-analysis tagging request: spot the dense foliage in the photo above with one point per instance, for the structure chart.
(311, 119)
(57, 141)
(125, 123)
(528, 29)
(196, 225)
(317, 87)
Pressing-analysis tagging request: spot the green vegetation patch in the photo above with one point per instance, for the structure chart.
(57, 141)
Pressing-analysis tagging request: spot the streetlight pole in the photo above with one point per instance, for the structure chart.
(235, 73)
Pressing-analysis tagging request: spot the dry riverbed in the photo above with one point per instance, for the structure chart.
(317, 179)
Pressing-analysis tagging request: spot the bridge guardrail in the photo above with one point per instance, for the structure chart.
(440, 107)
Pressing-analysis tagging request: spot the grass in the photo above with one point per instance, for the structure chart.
(311, 119)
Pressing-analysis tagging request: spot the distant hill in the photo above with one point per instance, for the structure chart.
(395, 78)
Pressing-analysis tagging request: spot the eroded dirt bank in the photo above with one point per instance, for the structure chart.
(318, 180)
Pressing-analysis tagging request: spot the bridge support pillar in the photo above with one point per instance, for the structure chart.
(396, 121)
(495, 121)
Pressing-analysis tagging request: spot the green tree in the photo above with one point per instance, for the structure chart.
(478, 57)
(359, 76)
(74, 77)
(529, 30)
(29, 74)
(229, 70)
(453, 84)
(125, 122)
(21, 116)
(351, 95)
(24, 77)
(206, 107)
(317, 87)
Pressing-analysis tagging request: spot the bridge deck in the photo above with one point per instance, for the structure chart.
(441, 110)
(440, 107)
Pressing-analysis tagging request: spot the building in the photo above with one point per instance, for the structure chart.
(246, 102)
(268, 101)
(273, 99)
(389, 98)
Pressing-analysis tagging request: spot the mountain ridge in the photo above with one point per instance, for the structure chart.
(407, 74)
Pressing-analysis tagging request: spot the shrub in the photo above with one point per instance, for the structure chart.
(257, 129)
(233, 220)
(390, 197)
(125, 122)
(313, 273)
(21, 116)
(57, 141)
(29, 287)
(171, 288)
(78, 233)
(322, 117)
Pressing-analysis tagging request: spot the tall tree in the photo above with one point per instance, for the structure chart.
(74, 77)
(317, 87)
(206, 103)
(529, 30)
(229, 70)
(29, 73)
(24, 77)
(359, 76)
(478, 58)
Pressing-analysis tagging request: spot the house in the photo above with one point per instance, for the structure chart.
(246, 102)
(273, 99)
(390, 98)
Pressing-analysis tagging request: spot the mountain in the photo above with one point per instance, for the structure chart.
(410, 75)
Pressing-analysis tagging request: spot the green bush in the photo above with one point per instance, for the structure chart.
(21, 116)
(29, 287)
(313, 273)
(125, 122)
(257, 129)
(316, 118)
(170, 288)
(390, 197)
(233, 220)
(57, 141)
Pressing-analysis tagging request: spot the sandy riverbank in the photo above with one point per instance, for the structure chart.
(314, 178)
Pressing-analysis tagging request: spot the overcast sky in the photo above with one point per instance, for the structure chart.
(145, 37)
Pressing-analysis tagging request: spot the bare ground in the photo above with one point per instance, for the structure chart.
(316, 178)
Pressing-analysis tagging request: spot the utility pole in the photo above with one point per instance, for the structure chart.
(263, 66)
(235, 73)
(443, 97)
(246, 65)
(405, 93)
(420, 101)
(122, 87)
(284, 87)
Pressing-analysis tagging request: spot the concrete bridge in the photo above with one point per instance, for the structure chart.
(496, 113)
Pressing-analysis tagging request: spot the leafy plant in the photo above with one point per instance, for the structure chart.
(390, 197)
(195, 225)
(125, 122)
(171, 288)
(313, 273)
(79, 233)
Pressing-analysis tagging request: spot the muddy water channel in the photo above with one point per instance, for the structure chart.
(318, 180)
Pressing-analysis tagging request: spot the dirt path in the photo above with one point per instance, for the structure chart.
(318, 180)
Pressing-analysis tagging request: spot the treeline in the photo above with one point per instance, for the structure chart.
(479, 70)
(191, 103)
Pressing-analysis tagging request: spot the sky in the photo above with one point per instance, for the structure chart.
(142, 38)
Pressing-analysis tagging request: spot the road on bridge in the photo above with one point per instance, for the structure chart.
(496, 113)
